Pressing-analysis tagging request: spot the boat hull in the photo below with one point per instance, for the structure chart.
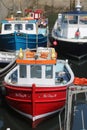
(76, 50)
(36, 103)
(17, 40)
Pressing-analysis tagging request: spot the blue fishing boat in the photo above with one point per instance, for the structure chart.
(22, 32)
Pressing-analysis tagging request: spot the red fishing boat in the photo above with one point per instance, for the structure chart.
(36, 87)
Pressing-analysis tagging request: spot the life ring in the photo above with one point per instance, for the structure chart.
(30, 54)
(44, 54)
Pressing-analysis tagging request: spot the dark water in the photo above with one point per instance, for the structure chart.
(80, 117)
(14, 121)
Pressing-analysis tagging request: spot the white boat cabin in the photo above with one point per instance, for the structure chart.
(40, 71)
(29, 24)
(40, 74)
(24, 26)
(69, 23)
(18, 26)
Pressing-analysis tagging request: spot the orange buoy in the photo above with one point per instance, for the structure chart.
(30, 54)
(55, 43)
(80, 81)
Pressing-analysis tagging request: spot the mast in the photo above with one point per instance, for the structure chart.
(78, 6)
(72, 4)
(19, 12)
(13, 6)
(19, 5)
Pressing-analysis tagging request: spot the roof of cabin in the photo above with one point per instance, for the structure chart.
(19, 21)
(76, 13)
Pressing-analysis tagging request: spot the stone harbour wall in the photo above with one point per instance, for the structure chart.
(10, 6)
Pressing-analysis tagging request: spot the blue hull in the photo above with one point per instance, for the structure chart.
(15, 41)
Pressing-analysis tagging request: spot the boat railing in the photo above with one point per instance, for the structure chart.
(7, 57)
(60, 119)
(73, 90)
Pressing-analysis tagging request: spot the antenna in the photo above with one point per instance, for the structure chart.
(19, 5)
(19, 12)
(78, 6)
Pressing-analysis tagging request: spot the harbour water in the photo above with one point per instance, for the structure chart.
(80, 117)
(14, 121)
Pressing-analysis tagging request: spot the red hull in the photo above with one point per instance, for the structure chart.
(36, 102)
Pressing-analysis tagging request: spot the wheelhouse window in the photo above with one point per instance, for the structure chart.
(7, 27)
(18, 27)
(83, 19)
(49, 71)
(73, 19)
(64, 19)
(36, 71)
(22, 71)
(29, 26)
(13, 76)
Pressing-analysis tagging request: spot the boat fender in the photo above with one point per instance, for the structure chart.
(54, 54)
(2, 91)
(55, 43)
(80, 81)
(21, 54)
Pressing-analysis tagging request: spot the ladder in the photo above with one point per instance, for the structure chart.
(73, 90)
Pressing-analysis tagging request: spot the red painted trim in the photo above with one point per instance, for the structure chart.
(33, 99)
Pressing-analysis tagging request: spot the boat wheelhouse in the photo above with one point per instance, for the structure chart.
(36, 87)
(22, 32)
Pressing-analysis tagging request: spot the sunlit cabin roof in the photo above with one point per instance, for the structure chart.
(41, 56)
(19, 21)
(76, 13)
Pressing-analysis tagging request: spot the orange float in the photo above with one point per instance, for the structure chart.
(30, 54)
(80, 81)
